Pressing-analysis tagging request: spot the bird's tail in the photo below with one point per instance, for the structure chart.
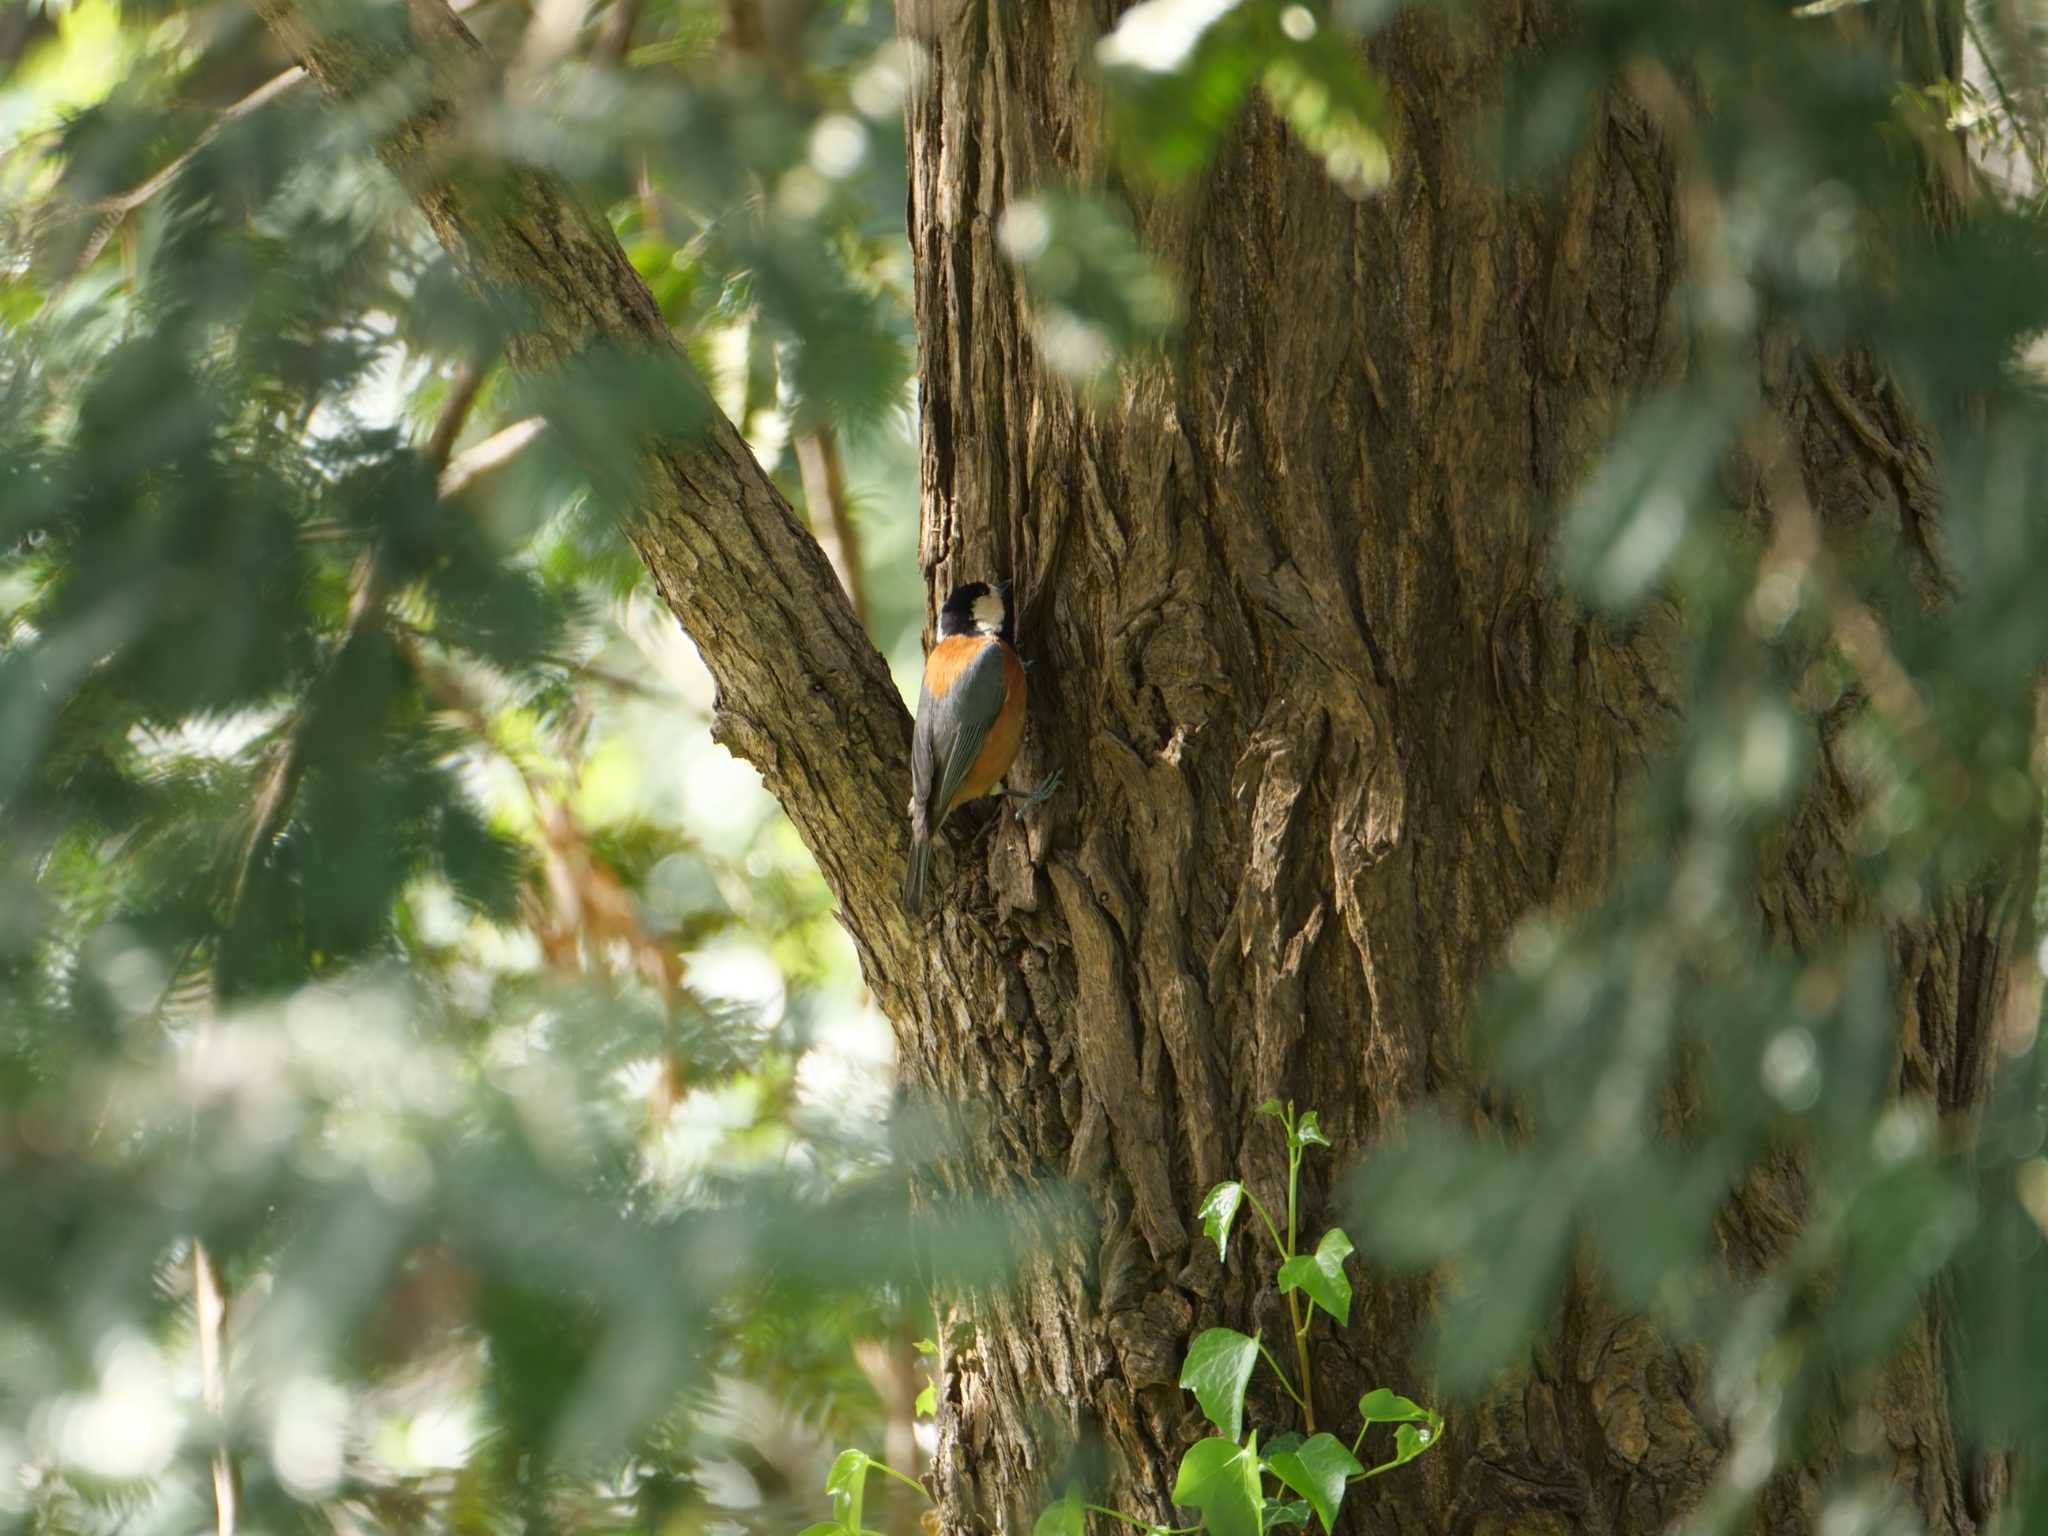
(914, 874)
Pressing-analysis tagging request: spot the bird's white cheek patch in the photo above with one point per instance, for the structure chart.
(988, 613)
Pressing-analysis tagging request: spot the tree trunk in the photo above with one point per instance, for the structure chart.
(1328, 728)
(1328, 731)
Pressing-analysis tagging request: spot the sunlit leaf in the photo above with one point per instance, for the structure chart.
(1218, 1366)
(1068, 1517)
(847, 1484)
(1217, 1211)
(1221, 1479)
(1383, 1405)
(1321, 1274)
(1317, 1471)
(1097, 295)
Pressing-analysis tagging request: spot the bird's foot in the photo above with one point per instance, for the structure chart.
(1039, 795)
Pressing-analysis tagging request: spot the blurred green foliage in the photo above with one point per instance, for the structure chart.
(375, 912)
(1706, 1066)
(371, 924)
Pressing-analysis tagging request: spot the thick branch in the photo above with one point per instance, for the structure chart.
(803, 695)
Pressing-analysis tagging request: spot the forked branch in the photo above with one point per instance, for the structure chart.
(803, 694)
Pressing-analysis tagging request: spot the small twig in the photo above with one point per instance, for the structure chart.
(210, 1309)
(2022, 129)
(551, 31)
(365, 608)
(455, 411)
(616, 36)
(118, 208)
(488, 456)
(588, 907)
(817, 461)
(627, 687)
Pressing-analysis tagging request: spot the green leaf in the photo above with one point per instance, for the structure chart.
(925, 1347)
(1411, 1440)
(1384, 1406)
(823, 1528)
(1336, 107)
(1321, 1274)
(1627, 521)
(1308, 1132)
(1221, 1479)
(1218, 1210)
(1318, 1472)
(846, 1482)
(1272, 1107)
(1219, 1364)
(927, 1405)
(1066, 1518)
(1278, 1514)
(1096, 292)
(1420, 1427)
(1170, 108)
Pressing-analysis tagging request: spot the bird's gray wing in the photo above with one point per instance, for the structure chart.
(961, 721)
(923, 762)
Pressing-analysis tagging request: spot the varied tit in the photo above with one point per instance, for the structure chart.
(970, 719)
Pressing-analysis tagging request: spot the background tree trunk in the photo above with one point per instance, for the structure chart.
(1328, 731)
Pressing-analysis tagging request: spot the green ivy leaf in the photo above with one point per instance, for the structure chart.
(927, 1402)
(1420, 1427)
(1321, 1274)
(1219, 1364)
(1318, 1472)
(1066, 1518)
(846, 1482)
(1308, 1132)
(1218, 1210)
(1278, 1514)
(1272, 1107)
(1293, 1440)
(925, 1347)
(1411, 1440)
(1221, 1479)
(1388, 1407)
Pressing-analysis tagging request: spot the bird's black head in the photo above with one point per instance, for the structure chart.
(975, 609)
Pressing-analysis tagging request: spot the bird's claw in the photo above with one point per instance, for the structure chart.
(1039, 795)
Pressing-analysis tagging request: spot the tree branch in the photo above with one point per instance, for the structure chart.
(210, 1310)
(803, 694)
(817, 460)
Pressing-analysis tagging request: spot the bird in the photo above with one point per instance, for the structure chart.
(970, 720)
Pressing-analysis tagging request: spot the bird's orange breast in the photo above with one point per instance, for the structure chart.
(951, 657)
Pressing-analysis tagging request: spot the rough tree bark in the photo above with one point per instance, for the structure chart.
(1328, 729)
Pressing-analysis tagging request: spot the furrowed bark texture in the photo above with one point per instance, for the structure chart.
(1329, 731)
